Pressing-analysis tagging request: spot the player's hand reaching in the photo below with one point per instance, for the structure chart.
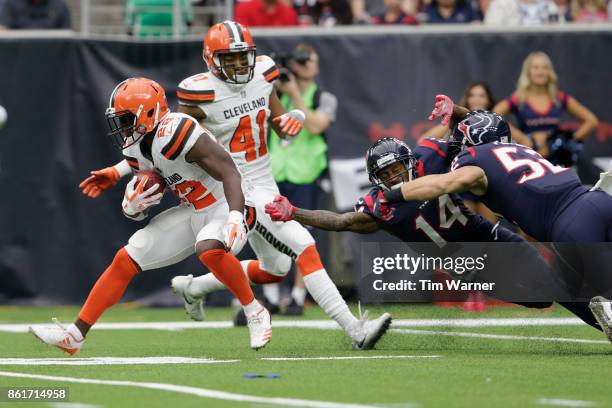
(291, 122)
(280, 209)
(99, 181)
(234, 233)
(137, 199)
(443, 108)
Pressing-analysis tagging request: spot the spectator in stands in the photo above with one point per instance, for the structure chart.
(450, 11)
(394, 14)
(477, 95)
(298, 162)
(34, 15)
(324, 13)
(538, 104)
(565, 11)
(154, 18)
(523, 12)
(589, 11)
(265, 13)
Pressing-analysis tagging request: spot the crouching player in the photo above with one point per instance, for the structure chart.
(209, 220)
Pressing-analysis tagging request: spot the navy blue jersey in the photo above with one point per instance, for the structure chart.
(441, 220)
(531, 120)
(523, 187)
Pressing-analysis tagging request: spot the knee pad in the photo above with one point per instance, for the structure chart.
(139, 244)
(278, 265)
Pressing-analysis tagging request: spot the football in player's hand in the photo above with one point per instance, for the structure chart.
(153, 177)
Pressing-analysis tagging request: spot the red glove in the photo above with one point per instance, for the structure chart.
(443, 108)
(291, 122)
(280, 209)
(99, 181)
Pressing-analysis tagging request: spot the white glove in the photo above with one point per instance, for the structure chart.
(135, 200)
(234, 233)
(605, 181)
(291, 123)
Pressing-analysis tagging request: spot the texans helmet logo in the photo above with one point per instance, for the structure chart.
(475, 131)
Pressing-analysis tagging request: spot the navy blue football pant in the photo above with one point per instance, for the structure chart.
(587, 219)
(580, 235)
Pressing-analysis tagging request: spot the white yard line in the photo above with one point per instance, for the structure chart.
(322, 324)
(91, 361)
(110, 361)
(564, 402)
(200, 392)
(342, 358)
(497, 336)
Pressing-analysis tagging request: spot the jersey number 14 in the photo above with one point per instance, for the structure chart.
(449, 214)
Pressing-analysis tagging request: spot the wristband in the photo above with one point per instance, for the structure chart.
(394, 196)
(123, 168)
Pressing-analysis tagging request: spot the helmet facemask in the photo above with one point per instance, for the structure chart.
(404, 171)
(125, 129)
(229, 72)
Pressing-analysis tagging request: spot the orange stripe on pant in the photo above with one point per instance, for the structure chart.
(228, 270)
(109, 287)
(309, 261)
(261, 277)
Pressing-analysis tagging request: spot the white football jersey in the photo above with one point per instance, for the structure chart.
(237, 115)
(175, 136)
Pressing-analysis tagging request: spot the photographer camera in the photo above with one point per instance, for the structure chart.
(299, 162)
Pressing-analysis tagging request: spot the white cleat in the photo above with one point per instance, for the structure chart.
(260, 328)
(57, 335)
(193, 306)
(368, 332)
(602, 310)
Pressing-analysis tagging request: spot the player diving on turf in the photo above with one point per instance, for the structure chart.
(548, 202)
(442, 218)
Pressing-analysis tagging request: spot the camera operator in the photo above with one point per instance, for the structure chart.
(298, 162)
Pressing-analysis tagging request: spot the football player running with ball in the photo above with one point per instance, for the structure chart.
(236, 101)
(209, 220)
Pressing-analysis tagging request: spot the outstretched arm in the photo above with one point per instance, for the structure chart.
(281, 209)
(468, 178)
(101, 180)
(330, 221)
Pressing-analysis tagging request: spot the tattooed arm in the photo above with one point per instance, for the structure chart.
(282, 210)
(327, 220)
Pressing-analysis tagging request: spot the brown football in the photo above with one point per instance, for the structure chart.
(153, 177)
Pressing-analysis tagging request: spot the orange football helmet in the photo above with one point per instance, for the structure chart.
(135, 108)
(229, 37)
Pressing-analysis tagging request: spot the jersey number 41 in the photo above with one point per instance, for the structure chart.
(243, 141)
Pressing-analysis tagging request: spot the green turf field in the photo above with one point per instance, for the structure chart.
(439, 365)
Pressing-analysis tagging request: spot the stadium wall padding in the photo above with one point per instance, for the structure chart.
(54, 242)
